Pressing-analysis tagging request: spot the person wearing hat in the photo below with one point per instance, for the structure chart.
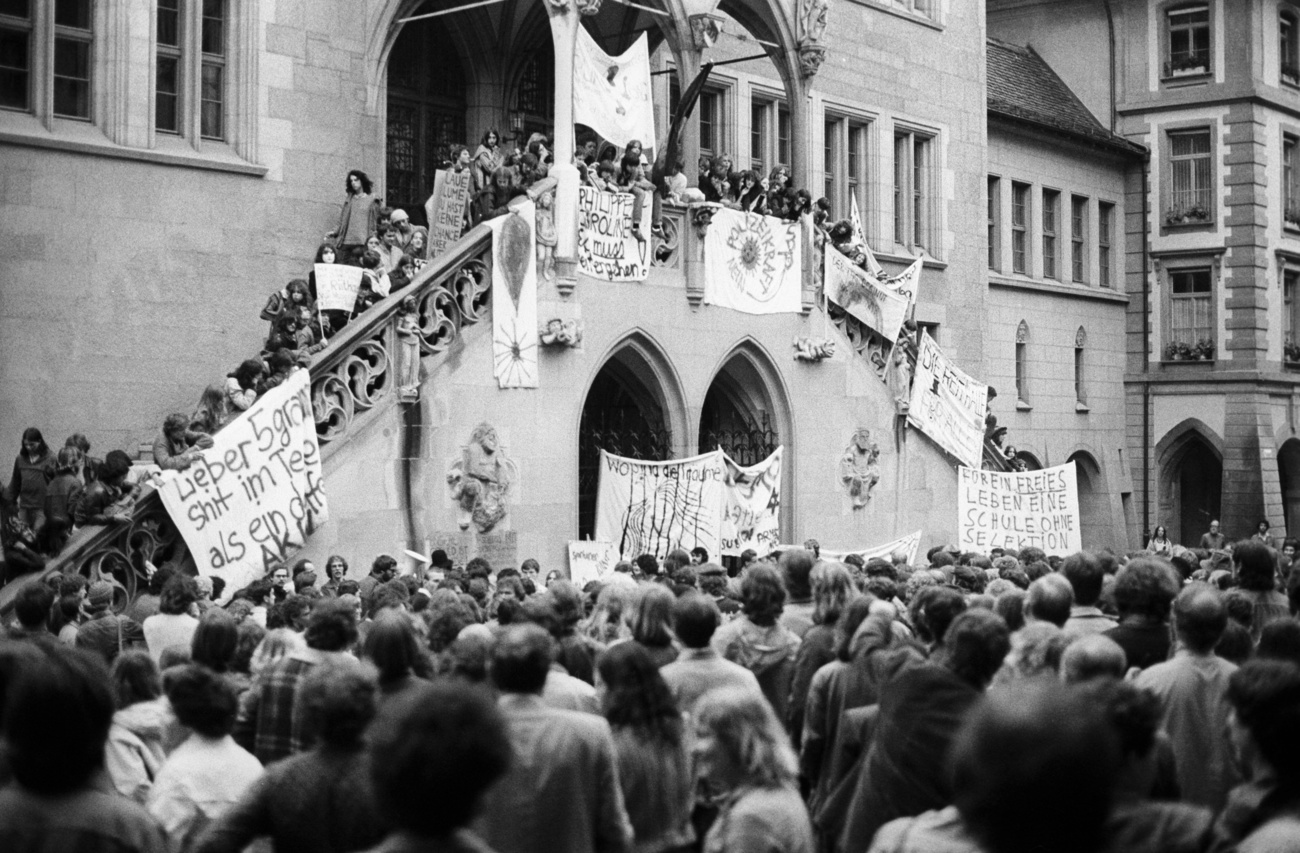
(401, 220)
(103, 631)
(712, 580)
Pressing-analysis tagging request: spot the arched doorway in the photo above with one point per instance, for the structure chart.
(1030, 460)
(1191, 489)
(1095, 526)
(1288, 467)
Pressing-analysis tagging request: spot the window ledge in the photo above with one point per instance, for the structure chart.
(915, 17)
(927, 262)
(1190, 79)
(80, 138)
(1082, 408)
(1022, 406)
(1078, 291)
(1186, 362)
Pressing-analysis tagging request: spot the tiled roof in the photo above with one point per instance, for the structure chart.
(1024, 88)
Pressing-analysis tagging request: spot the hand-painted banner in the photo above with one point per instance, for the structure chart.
(910, 545)
(607, 249)
(611, 94)
(446, 208)
(753, 263)
(514, 299)
(948, 405)
(1023, 509)
(653, 507)
(849, 287)
(907, 283)
(255, 496)
(337, 286)
(860, 239)
(752, 515)
(590, 561)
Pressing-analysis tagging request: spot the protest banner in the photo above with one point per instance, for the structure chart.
(611, 94)
(948, 405)
(514, 298)
(446, 208)
(1020, 509)
(861, 295)
(254, 497)
(607, 248)
(337, 286)
(590, 561)
(753, 263)
(910, 545)
(653, 507)
(751, 515)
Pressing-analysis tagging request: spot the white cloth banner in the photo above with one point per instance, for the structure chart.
(337, 286)
(255, 496)
(861, 295)
(907, 283)
(607, 248)
(445, 208)
(948, 405)
(1021, 509)
(909, 544)
(751, 517)
(653, 507)
(590, 561)
(514, 298)
(860, 239)
(752, 263)
(611, 94)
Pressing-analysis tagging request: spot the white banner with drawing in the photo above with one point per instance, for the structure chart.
(861, 295)
(607, 248)
(751, 517)
(753, 263)
(1019, 509)
(910, 545)
(947, 404)
(611, 94)
(653, 507)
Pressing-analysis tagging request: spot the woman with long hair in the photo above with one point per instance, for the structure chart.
(33, 470)
(650, 623)
(213, 411)
(654, 769)
(395, 650)
(359, 217)
(488, 157)
(1159, 542)
(832, 590)
(757, 640)
(135, 752)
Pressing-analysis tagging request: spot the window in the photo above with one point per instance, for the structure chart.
(710, 109)
(1189, 41)
(1290, 192)
(1078, 238)
(1080, 389)
(845, 163)
(783, 135)
(167, 70)
(912, 190)
(916, 7)
(1190, 314)
(1190, 178)
(828, 164)
(1051, 211)
(190, 94)
(1288, 48)
(1020, 228)
(1022, 365)
(769, 135)
(15, 54)
(758, 153)
(72, 58)
(213, 74)
(1105, 221)
(995, 233)
(1290, 281)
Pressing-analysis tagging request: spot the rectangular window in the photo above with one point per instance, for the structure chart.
(1190, 315)
(212, 78)
(1051, 213)
(1288, 48)
(758, 136)
(1078, 238)
(913, 223)
(710, 106)
(1105, 221)
(1020, 228)
(16, 54)
(167, 73)
(1290, 280)
(72, 58)
(1189, 41)
(783, 136)
(995, 233)
(1190, 173)
(857, 166)
(830, 131)
(1290, 195)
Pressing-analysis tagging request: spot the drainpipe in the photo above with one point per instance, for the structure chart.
(1114, 101)
(1146, 355)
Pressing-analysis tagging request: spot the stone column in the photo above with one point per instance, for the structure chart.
(564, 17)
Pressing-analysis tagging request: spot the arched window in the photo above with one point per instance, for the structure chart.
(1080, 388)
(1022, 364)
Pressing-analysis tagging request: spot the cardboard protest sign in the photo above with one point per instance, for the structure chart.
(653, 507)
(255, 496)
(1022, 509)
(751, 514)
(947, 404)
(337, 286)
(851, 288)
(446, 208)
(611, 94)
(607, 248)
(590, 561)
(753, 263)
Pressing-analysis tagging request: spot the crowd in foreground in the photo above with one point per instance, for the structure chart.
(1001, 703)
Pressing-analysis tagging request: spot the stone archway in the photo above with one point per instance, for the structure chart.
(1096, 526)
(1288, 468)
(1190, 465)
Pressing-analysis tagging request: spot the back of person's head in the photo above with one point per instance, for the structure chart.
(1084, 572)
(635, 695)
(1134, 714)
(250, 635)
(1010, 605)
(1236, 645)
(57, 713)
(539, 610)
(796, 570)
(648, 565)
(651, 618)
(975, 645)
(1265, 694)
(747, 730)
(332, 626)
(1254, 563)
(1200, 617)
(445, 743)
(1035, 767)
(568, 602)
(762, 594)
(935, 608)
(521, 659)
(32, 606)
(202, 700)
(338, 702)
(1145, 587)
(695, 618)
(942, 559)
(1280, 640)
(135, 678)
(832, 588)
(159, 579)
(178, 595)
(1049, 599)
(394, 648)
(1092, 656)
(846, 627)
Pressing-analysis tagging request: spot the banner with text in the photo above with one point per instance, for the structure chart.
(256, 495)
(590, 561)
(653, 507)
(751, 517)
(337, 286)
(611, 94)
(446, 208)
(947, 404)
(1024, 509)
(910, 545)
(752, 263)
(607, 249)
(851, 288)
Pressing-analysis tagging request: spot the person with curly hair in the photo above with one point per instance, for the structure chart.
(1253, 564)
(757, 640)
(1144, 590)
(654, 768)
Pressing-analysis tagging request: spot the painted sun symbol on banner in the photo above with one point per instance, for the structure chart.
(758, 263)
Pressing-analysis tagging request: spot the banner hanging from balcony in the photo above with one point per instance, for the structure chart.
(607, 248)
(910, 545)
(337, 286)
(1019, 509)
(653, 507)
(446, 208)
(947, 404)
(752, 263)
(514, 298)
(751, 516)
(256, 495)
(611, 94)
(906, 284)
(861, 295)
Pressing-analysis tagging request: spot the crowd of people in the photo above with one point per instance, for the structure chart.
(1004, 702)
